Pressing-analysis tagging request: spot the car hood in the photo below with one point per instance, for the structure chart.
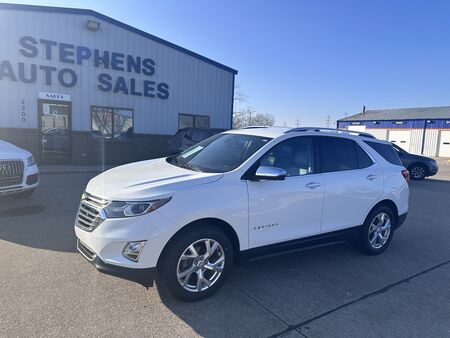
(413, 157)
(10, 151)
(146, 180)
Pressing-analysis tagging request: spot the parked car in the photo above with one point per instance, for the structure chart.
(237, 195)
(187, 137)
(19, 173)
(418, 166)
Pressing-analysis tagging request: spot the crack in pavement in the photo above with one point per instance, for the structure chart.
(377, 292)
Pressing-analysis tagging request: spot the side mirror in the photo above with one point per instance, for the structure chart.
(270, 173)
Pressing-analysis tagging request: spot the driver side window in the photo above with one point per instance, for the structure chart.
(295, 155)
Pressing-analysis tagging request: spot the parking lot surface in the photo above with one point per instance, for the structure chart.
(48, 289)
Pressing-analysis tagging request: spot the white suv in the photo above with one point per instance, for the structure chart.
(236, 195)
(19, 174)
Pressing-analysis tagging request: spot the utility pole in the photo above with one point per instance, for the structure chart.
(298, 123)
(284, 123)
(328, 121)
(250, 117)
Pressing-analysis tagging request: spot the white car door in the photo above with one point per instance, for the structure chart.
(288, 209)
(353, 183)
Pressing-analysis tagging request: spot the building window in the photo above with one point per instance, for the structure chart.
(112, 123)
(193, 121)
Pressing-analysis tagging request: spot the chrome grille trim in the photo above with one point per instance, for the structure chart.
(87, 252)
(11, 173)
(90, 212)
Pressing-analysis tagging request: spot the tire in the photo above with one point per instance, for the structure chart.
(177, 270)
(418, 172)
(373, 240)
(24, 194)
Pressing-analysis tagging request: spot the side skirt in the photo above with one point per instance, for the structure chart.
(345, 235)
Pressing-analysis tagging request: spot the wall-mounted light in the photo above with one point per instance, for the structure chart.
(93, 25)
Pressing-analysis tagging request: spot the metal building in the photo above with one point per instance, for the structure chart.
(79, 87)
(421, 131)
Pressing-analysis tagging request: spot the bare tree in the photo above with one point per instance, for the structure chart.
(244, 115)
(263, 119)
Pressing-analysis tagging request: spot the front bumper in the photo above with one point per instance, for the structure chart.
(30, 180)
(433, 170)
(143, 276)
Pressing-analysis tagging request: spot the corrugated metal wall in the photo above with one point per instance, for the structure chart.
(432, 128)
(415, 146)
(431, 142)
(196, 87)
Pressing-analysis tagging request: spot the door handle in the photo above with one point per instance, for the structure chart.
(313, 185)
(372, 177)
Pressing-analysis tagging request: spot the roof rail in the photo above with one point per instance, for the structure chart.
(254, 127)
(338, 131)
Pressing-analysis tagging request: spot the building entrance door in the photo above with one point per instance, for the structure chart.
(55, 131)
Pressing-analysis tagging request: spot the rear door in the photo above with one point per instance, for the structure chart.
(289, 209)
(353, 183)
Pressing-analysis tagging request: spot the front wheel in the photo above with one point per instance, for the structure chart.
(377, 231)
(197, 263)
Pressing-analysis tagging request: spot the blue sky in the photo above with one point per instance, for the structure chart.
(308, 59)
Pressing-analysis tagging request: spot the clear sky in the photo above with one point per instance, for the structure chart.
(308, 59)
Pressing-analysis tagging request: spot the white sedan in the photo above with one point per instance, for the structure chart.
(19, 173)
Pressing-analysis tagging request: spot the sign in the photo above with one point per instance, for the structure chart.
(54, 96)
(121, 73)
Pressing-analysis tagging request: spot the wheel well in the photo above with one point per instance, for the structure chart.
(220, 224)
(391, 205)
(419, 163)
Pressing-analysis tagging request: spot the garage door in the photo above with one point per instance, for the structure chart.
(357, 128)
(444, 144)
(402, 138)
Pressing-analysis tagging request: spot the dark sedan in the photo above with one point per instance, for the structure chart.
(419, 166)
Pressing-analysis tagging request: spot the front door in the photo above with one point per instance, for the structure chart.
(289, 209)
(55, 131)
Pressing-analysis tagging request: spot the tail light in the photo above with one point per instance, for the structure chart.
(405, 174)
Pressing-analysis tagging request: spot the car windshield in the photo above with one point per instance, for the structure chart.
(219, 153)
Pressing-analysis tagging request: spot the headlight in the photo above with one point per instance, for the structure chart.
(30, 161)
(130, 209)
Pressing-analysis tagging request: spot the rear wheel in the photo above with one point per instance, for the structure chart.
(377, 231)
(418, 171)
(197, 263)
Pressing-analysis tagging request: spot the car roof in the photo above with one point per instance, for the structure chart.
(275, 132)
(197, 128)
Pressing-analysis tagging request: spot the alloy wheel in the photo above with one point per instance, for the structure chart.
(379, 230)
(200, 265)
(417, 172)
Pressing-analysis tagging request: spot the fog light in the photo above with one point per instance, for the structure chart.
(132, 250)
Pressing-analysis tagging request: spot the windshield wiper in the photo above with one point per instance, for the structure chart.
(189, 166)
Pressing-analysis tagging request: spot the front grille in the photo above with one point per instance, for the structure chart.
(86, 251)
(90, 213)
(11, 173)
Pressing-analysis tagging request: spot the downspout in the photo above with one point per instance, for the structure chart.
(423, 137)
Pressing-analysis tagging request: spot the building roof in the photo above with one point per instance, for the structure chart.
(401, 114)
(80, 11)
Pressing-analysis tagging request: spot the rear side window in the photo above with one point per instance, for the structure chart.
(386, 151)
(337, 154)
(363, 159)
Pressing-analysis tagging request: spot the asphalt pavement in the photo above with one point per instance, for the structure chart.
(48, 289)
